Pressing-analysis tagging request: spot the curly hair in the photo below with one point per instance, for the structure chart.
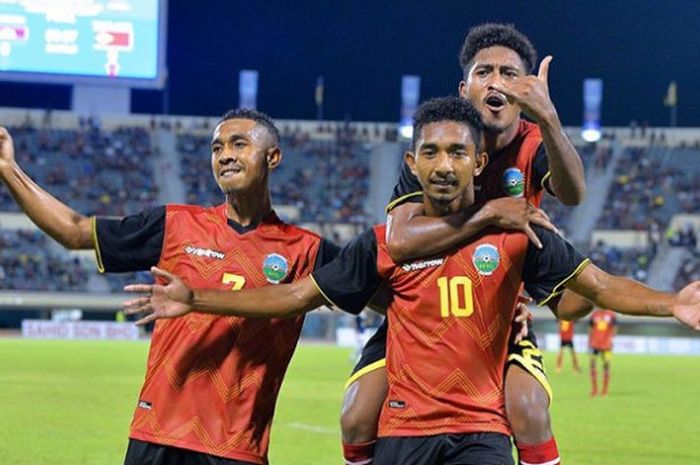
(448, 109)
(492, 34)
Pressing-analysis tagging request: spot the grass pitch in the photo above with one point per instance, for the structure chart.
(70, 403)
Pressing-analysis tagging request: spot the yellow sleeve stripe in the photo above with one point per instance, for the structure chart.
(401, 200)
(364, 370)
(545, 178)
(323, 293)
(558, 289)
(96, 245)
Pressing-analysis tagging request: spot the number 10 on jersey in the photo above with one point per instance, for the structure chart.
(456, 297)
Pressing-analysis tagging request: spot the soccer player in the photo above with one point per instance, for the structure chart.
(211, 382)
(525, 159)
(602, 328)
(566, 338)
(449, 314)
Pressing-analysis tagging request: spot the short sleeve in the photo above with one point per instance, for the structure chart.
(540, 169)
(547, 270)
(351, 279)
(131, 243)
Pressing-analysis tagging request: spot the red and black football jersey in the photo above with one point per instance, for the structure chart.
(212, 381)
(449, 322)
(602, 325)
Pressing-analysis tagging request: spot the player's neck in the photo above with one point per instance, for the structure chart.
(436, 208)
(497, 141)
(249, 208)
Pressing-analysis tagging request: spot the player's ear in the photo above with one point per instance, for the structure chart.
(410, 159)
(274, 157)
(462, 88)
(480, 162)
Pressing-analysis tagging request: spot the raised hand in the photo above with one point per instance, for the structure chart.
(169, 301)
(7, 150)
(531, 93)
(687, 307)
(513, 213)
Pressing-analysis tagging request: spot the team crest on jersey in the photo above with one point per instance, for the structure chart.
(514, 182)
(486, 259)
(275, 268)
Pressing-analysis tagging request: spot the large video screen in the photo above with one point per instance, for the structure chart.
(120, 42)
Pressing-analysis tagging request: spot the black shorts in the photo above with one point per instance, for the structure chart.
(567, 344)
(524, 354)
(447, 449)
(373, 355)
(148, 453)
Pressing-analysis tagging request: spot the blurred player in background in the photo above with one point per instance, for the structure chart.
(601, 330)
(566, 339)
(211, 382)
(525, 159)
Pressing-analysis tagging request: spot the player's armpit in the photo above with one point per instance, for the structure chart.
(381, 300)
(570, 306)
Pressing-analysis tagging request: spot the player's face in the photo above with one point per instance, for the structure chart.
(446, 161)
(242, 154)
(498, 66)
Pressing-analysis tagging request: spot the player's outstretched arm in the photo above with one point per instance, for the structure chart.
(531, 93)
(65, 225)
(411, 234)
(630, 297)
(571, 306)
(175, 299)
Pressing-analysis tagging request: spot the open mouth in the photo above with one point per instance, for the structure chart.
(443, 182)
(496, 101)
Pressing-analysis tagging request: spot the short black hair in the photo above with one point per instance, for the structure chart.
(448, 109)
(492, 34)
(254, 115)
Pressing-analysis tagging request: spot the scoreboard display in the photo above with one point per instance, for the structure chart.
(116, 42)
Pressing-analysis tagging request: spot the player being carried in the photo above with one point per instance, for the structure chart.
(211, 382)
(525, 159)
(449, 314)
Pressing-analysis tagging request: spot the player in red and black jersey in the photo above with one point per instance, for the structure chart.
(566, 339)
(449, 314)
(211, 382)
(525, 158)
(602, 327)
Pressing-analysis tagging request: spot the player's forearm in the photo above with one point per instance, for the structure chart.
(623, 295)
(567, 175)
(263, 302)
(56, 219)
(416, 235)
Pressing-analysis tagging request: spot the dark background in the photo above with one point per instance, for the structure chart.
(362, 47)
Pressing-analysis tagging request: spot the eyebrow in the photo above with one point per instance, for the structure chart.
(434, 146)
(232, 138)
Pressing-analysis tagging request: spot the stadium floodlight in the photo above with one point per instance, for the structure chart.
(410, 94)
(592, 99)
(591, 135)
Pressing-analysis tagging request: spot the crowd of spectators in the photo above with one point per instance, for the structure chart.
(325, 179)
(647, 189)
(632, 262)
(95, 171)
(28, 263)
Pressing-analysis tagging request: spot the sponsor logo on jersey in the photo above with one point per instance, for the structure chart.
(275, 268)
(416, 266)
(397, 404)
(145, 404)
(486, 259)
(200, 252)
(514, 182)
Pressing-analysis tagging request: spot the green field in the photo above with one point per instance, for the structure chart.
(70, 403)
